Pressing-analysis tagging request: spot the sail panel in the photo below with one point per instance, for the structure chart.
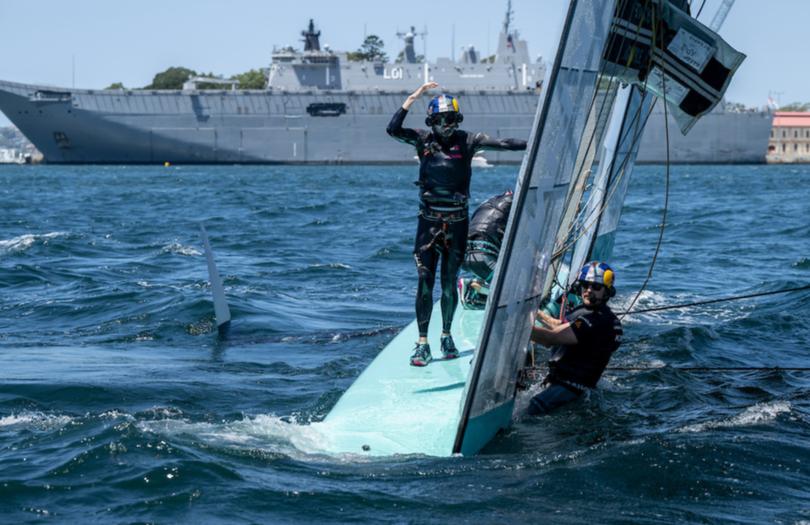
(617, 160)
(544, 181)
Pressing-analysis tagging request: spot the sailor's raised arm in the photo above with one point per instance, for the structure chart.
(482, 141)
(413, 97)
(395, 128)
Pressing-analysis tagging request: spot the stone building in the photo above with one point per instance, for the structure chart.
(790, 137)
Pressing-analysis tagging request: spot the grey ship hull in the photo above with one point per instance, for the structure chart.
(114, 126)
(719, 137)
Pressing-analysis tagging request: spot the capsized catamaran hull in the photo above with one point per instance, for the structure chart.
(396, 408)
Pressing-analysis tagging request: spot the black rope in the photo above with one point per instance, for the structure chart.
(711, 368)
(712, 301)
(699, 10)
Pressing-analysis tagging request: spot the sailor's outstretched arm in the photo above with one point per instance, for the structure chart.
(483, 141)
(395, 128)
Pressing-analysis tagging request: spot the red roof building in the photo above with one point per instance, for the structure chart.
(790, 137)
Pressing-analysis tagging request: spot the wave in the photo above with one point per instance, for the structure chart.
(22, 243)
(758, 414)
(36, 421)
(266, 435)
(179, 249)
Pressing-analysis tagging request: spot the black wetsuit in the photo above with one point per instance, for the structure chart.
(444, 181)
(574, 368)
(487, 226)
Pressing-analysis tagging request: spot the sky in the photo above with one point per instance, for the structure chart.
(93, 43)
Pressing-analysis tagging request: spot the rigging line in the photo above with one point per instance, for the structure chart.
(656, 34)
(711, 368)
(599, 79)
(579, 222)
(636, 132)
(713, 301)
(614, 184)
(700, 10)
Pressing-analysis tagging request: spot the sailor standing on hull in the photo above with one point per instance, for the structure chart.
(445, 157)
(582, 344)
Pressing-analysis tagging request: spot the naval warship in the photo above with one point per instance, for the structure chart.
(321, 107)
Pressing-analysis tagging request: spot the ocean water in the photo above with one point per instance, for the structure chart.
(119, 404)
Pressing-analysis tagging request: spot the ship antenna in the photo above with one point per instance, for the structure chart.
(508, 18)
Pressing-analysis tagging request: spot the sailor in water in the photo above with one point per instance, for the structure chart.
(582, 344)
(484, 239)
(445, 155)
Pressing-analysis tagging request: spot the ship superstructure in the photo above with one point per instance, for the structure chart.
(321, 107)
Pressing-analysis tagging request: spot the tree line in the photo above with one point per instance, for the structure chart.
(175, 77)
(371, 50)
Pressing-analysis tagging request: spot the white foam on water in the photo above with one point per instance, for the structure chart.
(34, 421)
(337, 266)
(23, 242)
(755, 415)
(179, 249)
(264, 433)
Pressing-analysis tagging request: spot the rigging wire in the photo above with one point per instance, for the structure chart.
(713, 301)
(656, 34)
(711, 368)
(580, 222)
(702, 5)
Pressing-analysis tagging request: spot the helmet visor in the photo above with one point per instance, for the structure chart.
(596, 287)
(444, 119)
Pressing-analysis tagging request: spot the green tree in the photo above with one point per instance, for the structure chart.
(172, 78)
(371, 50)
(115, 85)
(253, 79)
(401, 58)
(796, 106)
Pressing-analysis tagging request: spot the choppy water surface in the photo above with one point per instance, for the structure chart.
(119, 404)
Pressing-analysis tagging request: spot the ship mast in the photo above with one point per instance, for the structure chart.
(311, 38)
(508, 18)
(409, 53)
